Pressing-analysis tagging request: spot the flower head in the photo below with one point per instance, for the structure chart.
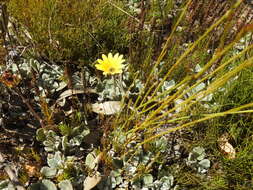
(111, 64)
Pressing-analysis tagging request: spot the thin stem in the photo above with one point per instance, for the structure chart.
(27, 103)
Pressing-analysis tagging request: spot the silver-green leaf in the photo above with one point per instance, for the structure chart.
(65, 185)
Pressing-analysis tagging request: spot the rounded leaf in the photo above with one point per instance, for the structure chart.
(64, 143)
(44, 185)
(199, 152)
(56, 161)
(89, 161)
(48, 172)
(147, 179)
(40, 135)
(205, 163)
(65, 185)
(48, 185)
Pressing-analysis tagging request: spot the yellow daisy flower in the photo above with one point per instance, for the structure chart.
(111, 65)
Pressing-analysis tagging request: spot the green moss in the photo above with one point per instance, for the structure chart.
(65, 129)
(236, 173)
(71, 30)
(69, 173)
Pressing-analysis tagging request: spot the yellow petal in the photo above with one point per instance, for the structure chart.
(100, 61)
(117, 71)
(110, 56)
(116, 56)
(104, 57)
(111, 64)
(122, 61)
(118, 65)
(99, 67)
(120, 57)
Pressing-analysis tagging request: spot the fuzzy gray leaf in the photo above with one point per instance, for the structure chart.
(89, 161)
(48, 185)
(205, 163)
(56, 161)
(40, 135)
(48, 172)
(147, 180)
(65, 185)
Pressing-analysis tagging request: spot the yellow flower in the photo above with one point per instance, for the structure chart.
(110, 65)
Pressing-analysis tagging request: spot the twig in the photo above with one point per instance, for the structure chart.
(13, 178)
(27, 103)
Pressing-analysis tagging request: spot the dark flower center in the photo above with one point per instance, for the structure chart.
(112, 69)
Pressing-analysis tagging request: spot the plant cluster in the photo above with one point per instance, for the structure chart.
(149, 115)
